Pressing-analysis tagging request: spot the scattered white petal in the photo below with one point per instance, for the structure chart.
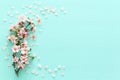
(9, 65)
(3, 48)
(65, 12)
(32, 44)
(45, 8)
(6, 44)
(46, 67)
(8, 13)
(39, 66)
(4, 20)
(26, 71)
(11, 15)
(55, 70)
(12, 7)
(26, 13)
(42, 75)
(8, 54)
(59, 67)
(41, 9)
(38, 58)
(43, 13)
(53, 10)
(37, 44)
(56, 14)
(62, 9)
(6, 58)
(48, 10)
(62, 73)
(63, 67)
(30, 7)
(34, 55)
(16, 12)
(35, 7)
(33, 71)
(40, 30)
(50, 71)
(53, 75)
(29, 12)
(23, 7)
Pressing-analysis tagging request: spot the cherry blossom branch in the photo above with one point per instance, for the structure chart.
(18, 37)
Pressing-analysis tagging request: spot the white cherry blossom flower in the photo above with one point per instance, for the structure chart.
(22, 33)
(22, 18)
(11, 37)
(20, 64)
(15, 59)
(24, 59)
(24, 44)
(14, 27)
(25, 50)
(15, 48)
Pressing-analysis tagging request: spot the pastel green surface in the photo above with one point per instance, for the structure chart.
(86, 40)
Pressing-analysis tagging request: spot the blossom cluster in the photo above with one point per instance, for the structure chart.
(19, 34)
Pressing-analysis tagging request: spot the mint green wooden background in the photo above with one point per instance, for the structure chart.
(86, 40)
